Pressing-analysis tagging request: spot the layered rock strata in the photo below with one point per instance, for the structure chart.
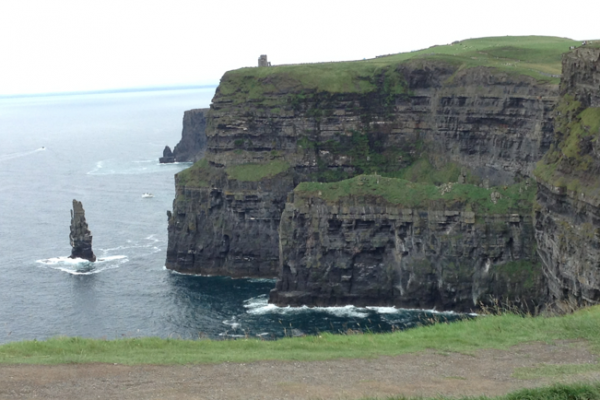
(366, 252)
(494, 124)
(497, 124)
(80, 236)
(228, 228)
(567, 226)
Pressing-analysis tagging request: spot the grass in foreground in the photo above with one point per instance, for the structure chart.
(579, 391)
(498, 332)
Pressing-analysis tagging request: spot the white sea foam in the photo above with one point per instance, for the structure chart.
(260, 306)
(261, 280)
(181, 273)
(225, 334)
(79, 266)
(12, 156)
(232, 323)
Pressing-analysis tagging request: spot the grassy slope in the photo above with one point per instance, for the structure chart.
(498, 332)
(536, 56)
(405, 194)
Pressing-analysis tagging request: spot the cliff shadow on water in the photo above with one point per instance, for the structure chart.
(402, 181)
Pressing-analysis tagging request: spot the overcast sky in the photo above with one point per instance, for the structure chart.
(73, 45)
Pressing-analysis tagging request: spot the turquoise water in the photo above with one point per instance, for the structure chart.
(102, 149)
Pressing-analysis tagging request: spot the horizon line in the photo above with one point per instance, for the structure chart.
(115, 90)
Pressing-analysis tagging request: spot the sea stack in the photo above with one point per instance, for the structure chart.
(80, 236)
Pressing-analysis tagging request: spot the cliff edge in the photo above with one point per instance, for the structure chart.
(451, 135)
(567, 209)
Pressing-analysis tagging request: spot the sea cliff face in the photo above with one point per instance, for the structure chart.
(193, 136)
(493, 124)
(497, 124)
(456, 146)
(228, 227)
(367, 253)
(568, 203)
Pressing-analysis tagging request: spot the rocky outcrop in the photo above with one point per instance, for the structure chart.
(567, 232)
(167, 157)
(228, 227)
(567, 216)
(80, 236)
(193, 138)
(365, 251)
(581, 75)
(494, 124)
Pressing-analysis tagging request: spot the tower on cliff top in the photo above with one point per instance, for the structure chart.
(262, 61)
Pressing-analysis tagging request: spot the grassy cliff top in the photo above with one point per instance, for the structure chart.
(516, 198)
(535, 56)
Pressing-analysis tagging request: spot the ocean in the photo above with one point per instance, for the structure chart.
(103, 150)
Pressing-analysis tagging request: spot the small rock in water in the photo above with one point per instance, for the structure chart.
(168, 156)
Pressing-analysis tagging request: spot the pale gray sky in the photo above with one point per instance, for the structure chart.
(72, 45)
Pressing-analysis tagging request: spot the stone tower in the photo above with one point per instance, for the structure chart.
(262, 61)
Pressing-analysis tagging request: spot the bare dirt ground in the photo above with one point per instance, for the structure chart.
(486, 372)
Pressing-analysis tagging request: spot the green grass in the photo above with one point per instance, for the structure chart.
(576, 391)
(256, 172)
(422, 171)
(401, 193)
(497, 332)
(201, 174)
(535, 56)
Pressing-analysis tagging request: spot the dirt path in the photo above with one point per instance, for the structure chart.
(485, 372)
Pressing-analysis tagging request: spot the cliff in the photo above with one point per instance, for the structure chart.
(193, 138)
(466, 122)
(366, 249)
(224, 226)
(568, 203)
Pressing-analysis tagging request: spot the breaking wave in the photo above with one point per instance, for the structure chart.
(260, 306)
(79, 266)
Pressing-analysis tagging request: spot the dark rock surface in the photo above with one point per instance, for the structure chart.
(229, 228)
(80, 236)
(567, 232)
(167, 157)
(375, 254)
(494, 124)
(193, 138)
(567, 214)
(581, 75)
(498, 125)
